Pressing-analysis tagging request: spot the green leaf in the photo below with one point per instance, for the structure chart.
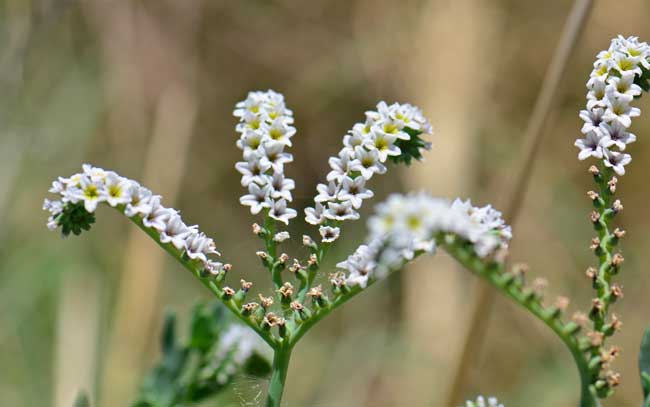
(411, 149)
(644, 364)
(81, 400)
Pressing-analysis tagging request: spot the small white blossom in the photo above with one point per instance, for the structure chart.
(315, 215)
(617, 161)
(341, 211)
(329, 234)
(90, 192)
(140, 198)
(355, 191)
(176, 232)
(117, 190)
(258, 198)
(280, 212)
(327, 192)
(281, 236)
(158, 216)
(483, 402)
(611, 91)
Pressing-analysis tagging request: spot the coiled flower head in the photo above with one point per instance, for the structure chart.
(620, 74)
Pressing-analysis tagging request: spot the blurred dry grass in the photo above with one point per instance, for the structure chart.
(131, 84)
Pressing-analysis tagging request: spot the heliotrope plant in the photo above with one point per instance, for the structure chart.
(402, 228)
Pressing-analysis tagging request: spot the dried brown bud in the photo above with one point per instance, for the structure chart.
(246, 285)
(520, 269)
(296, 266)
(592, 195)
(561, 303)
(608, 355)
(597, 304)
(595, 243)
(594, 170)
(250, 307)
(613, 379)
(262, 255)
(539, 285)
(580, 318)
(266, 302)
(617, 259)
(270, 319)
(257, 229)
(312, 259)
(228, 292)
(595, 338)
(283, 258)
(316, 292)
(617, 291)
(296, 306)
(617, 206)
(619, 233)
(337, 279)
(286, 291)
(592, 273)
(616, 323)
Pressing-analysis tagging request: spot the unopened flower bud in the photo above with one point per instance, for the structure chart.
(619, 233)
(308, 242)
(286, 291)
(283, 258)
(595, 244)
(539, 285)
(594, 216)
(281, 237)
(313, 260)
(227, 267)
(617, 206)
(593, 170)
(245, 285)
(617, 291)
(611, 184)
(613, 379)
(580, 318)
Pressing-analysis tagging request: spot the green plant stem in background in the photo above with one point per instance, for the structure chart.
(279, 370)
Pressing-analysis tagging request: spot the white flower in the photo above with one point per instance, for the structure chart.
(53, 207)
(341, 211)
(592, 119)
(281, 236)
(274, 155)
(251, 140)
(384, 144)
(626, 64)
(340, 165)
(258, 198)
(327, 192)
(622, 87)
(617, 161)
(139, 204)
(329, 234)
(281, 187)
(158, 216)
(96, 174)
(90, 192)
(592, 145)
(198, 246)
(482, 402)
(354, 190)
(279, 131)
(280, 212)
(616, 134)
(252, 169)
(619, 109)
(367, 163)
(176, 232)
(315, 216)
(596, 94)
(117, 190)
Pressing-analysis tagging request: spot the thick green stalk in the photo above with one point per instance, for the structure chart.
(279, 371)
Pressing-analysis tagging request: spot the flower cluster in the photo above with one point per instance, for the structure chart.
(81, 193)
(390, 132)
(619, 75)
(483, 402)
(236, 346)
(405, 225)
(265, 130)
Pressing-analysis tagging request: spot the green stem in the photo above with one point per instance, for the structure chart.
(196, 270)
(495, 276)
(279, 371)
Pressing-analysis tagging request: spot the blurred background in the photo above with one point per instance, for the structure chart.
(147, 88)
